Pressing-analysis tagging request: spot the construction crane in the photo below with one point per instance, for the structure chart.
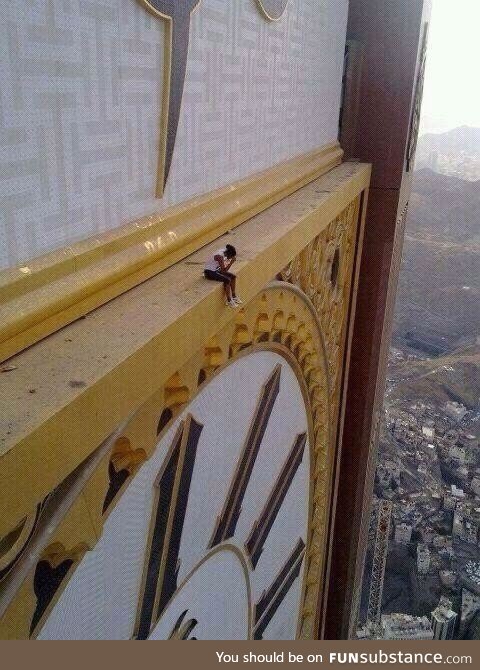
(384, 515)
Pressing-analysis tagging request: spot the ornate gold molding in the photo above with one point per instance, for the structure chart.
(291, 320)
(127, 348)
(309, 331)
(323, 271)
(54, 290)
(282, 319)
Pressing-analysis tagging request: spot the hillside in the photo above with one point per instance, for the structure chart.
(438, 380)
(456, 141)
(427, 445)
(439, 288)
(455, 153)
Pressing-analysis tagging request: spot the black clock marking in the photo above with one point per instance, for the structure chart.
(170, 506)
(261, 528)
(272, 598)
(177, 13)
(181, 630)
(117, 480)
(227, 521)
(46, 581)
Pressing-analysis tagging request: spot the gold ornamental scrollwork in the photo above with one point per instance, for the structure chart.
(281, 319)
(323, 271)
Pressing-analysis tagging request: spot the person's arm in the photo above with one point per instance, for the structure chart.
(230, 263)
(221, 261)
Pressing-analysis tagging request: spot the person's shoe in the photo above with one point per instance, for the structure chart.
(231, 303)
(238, 300)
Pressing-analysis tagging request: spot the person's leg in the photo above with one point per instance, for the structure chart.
(225, 278)
(227, 283)
(228, 290)
(233, 279)
(214, 275)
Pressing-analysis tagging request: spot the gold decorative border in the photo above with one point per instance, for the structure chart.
(137, 362)
(19, 539)
(54, 290)
(282, 319)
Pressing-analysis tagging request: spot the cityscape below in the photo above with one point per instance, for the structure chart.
(422, 575)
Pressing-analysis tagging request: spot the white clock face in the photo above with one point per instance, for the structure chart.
(208, 541)
(218, 586)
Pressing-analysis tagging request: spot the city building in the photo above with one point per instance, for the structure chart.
(423, 559)
(406, 627)
(444, 620)
(403, 533)
(141, 142)
(472, 572)
(457, 493)
(466, 522)
(475, 485)
(455, 410)
(470, 610)
(428, 432)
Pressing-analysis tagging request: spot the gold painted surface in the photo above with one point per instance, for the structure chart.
(323, 271)
(289, 326)
(135, 355)
(123, 351)
(39, 298)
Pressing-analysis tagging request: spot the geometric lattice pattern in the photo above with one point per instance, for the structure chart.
(80, 105)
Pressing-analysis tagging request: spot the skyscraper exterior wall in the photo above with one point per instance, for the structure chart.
(406, 627)
(177, 471)
(444, 620)
(387, 90)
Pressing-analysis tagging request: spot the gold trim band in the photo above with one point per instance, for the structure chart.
(55, 289)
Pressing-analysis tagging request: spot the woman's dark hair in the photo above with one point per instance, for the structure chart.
(230, 251)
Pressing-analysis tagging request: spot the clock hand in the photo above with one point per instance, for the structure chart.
(177, 13)
(181, 630)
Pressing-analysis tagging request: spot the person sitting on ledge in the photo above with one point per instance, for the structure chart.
(217, 269)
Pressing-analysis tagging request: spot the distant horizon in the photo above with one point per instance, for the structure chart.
(451, 98)
(424, 132)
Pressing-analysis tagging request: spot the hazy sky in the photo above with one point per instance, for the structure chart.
(452, 82)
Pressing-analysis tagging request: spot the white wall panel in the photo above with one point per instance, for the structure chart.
(80, 101)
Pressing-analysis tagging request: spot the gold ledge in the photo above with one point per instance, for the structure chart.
(55, 289)
(87, 378)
